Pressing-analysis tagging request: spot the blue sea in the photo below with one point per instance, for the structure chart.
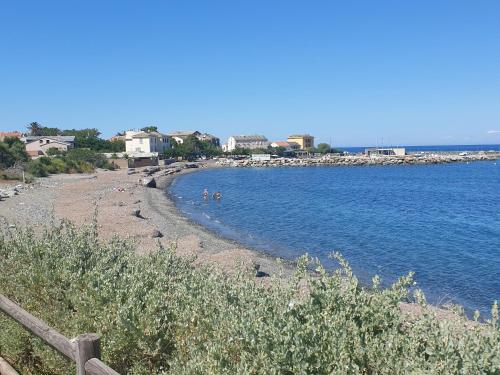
(440, 221)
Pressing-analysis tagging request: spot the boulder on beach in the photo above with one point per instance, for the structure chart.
(149, 182)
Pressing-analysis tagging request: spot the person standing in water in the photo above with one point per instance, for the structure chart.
(205, 193)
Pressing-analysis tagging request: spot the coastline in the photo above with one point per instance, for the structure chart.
(110, 196)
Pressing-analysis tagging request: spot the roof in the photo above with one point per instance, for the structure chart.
(183, 133)
(249, 138)
(10, 134)
(60, 138)
(147, 135)
(300, 136)
(206, 135)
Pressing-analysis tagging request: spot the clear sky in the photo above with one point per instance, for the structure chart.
(354, 72)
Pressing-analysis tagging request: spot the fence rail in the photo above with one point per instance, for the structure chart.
(84, 349)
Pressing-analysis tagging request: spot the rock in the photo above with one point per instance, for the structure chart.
(137, 201)
(137, 213)
(149, 182)
(121, 204)
(156, 234)
(152, 170)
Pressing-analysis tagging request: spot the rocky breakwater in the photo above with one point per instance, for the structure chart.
(362, 160)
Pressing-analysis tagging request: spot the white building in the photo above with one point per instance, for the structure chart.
(145, 142)
(390, 151)
(246, 141)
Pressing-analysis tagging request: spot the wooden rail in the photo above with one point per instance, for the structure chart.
(84, 350)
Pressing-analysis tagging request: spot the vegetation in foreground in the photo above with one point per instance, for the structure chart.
(159, 314)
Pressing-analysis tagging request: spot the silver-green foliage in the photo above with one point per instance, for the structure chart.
(159, 314)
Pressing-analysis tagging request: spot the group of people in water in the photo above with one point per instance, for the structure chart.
(217, 195)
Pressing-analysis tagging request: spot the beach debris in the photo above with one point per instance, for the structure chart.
(137, 201)
(119, 189)
(121, 204)
(156, 234)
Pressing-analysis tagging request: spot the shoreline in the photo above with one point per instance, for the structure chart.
(77, 197)
(161, 203)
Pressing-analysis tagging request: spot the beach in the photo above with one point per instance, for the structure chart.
(110, 197)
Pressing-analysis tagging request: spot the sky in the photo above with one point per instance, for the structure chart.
(351, 73)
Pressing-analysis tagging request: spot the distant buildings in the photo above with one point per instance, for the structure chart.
(246, 141)
(4, 135)
(180, 137)
(305, 141)
(39, 145)
(146, 142)
(391, 151)
(288, 146)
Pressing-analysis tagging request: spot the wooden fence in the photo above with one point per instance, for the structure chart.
(84, 350)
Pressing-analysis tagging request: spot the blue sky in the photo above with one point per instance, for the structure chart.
(356, 73)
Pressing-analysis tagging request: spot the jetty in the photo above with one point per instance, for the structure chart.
(363, 160)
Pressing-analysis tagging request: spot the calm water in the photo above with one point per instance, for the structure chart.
(441, 221)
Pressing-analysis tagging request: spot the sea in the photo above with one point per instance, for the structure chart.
(440, 221)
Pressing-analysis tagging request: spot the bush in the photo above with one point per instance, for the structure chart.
(159, 314)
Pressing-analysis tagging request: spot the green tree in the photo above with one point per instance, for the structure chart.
(83, 133)
(149, 129)
(11, 151)
(324, 148)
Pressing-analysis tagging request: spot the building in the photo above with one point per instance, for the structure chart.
(117, 138)
(305, 141)
(205, 137)
(39, 145)
(180, 137)
(4, 135)
(288, 146)
(246, 141)
(390, 151)
(145, 142)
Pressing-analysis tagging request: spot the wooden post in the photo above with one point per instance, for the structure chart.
(6, 368)
(87, 346)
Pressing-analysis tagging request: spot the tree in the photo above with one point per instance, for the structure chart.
(12, 151)
(34, 128)
(149, 129)
(324, 148)
(83, 133)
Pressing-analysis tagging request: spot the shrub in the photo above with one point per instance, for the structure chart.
(159, 314)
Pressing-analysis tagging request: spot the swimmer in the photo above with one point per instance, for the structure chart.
(205, 193)
(217, 195)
